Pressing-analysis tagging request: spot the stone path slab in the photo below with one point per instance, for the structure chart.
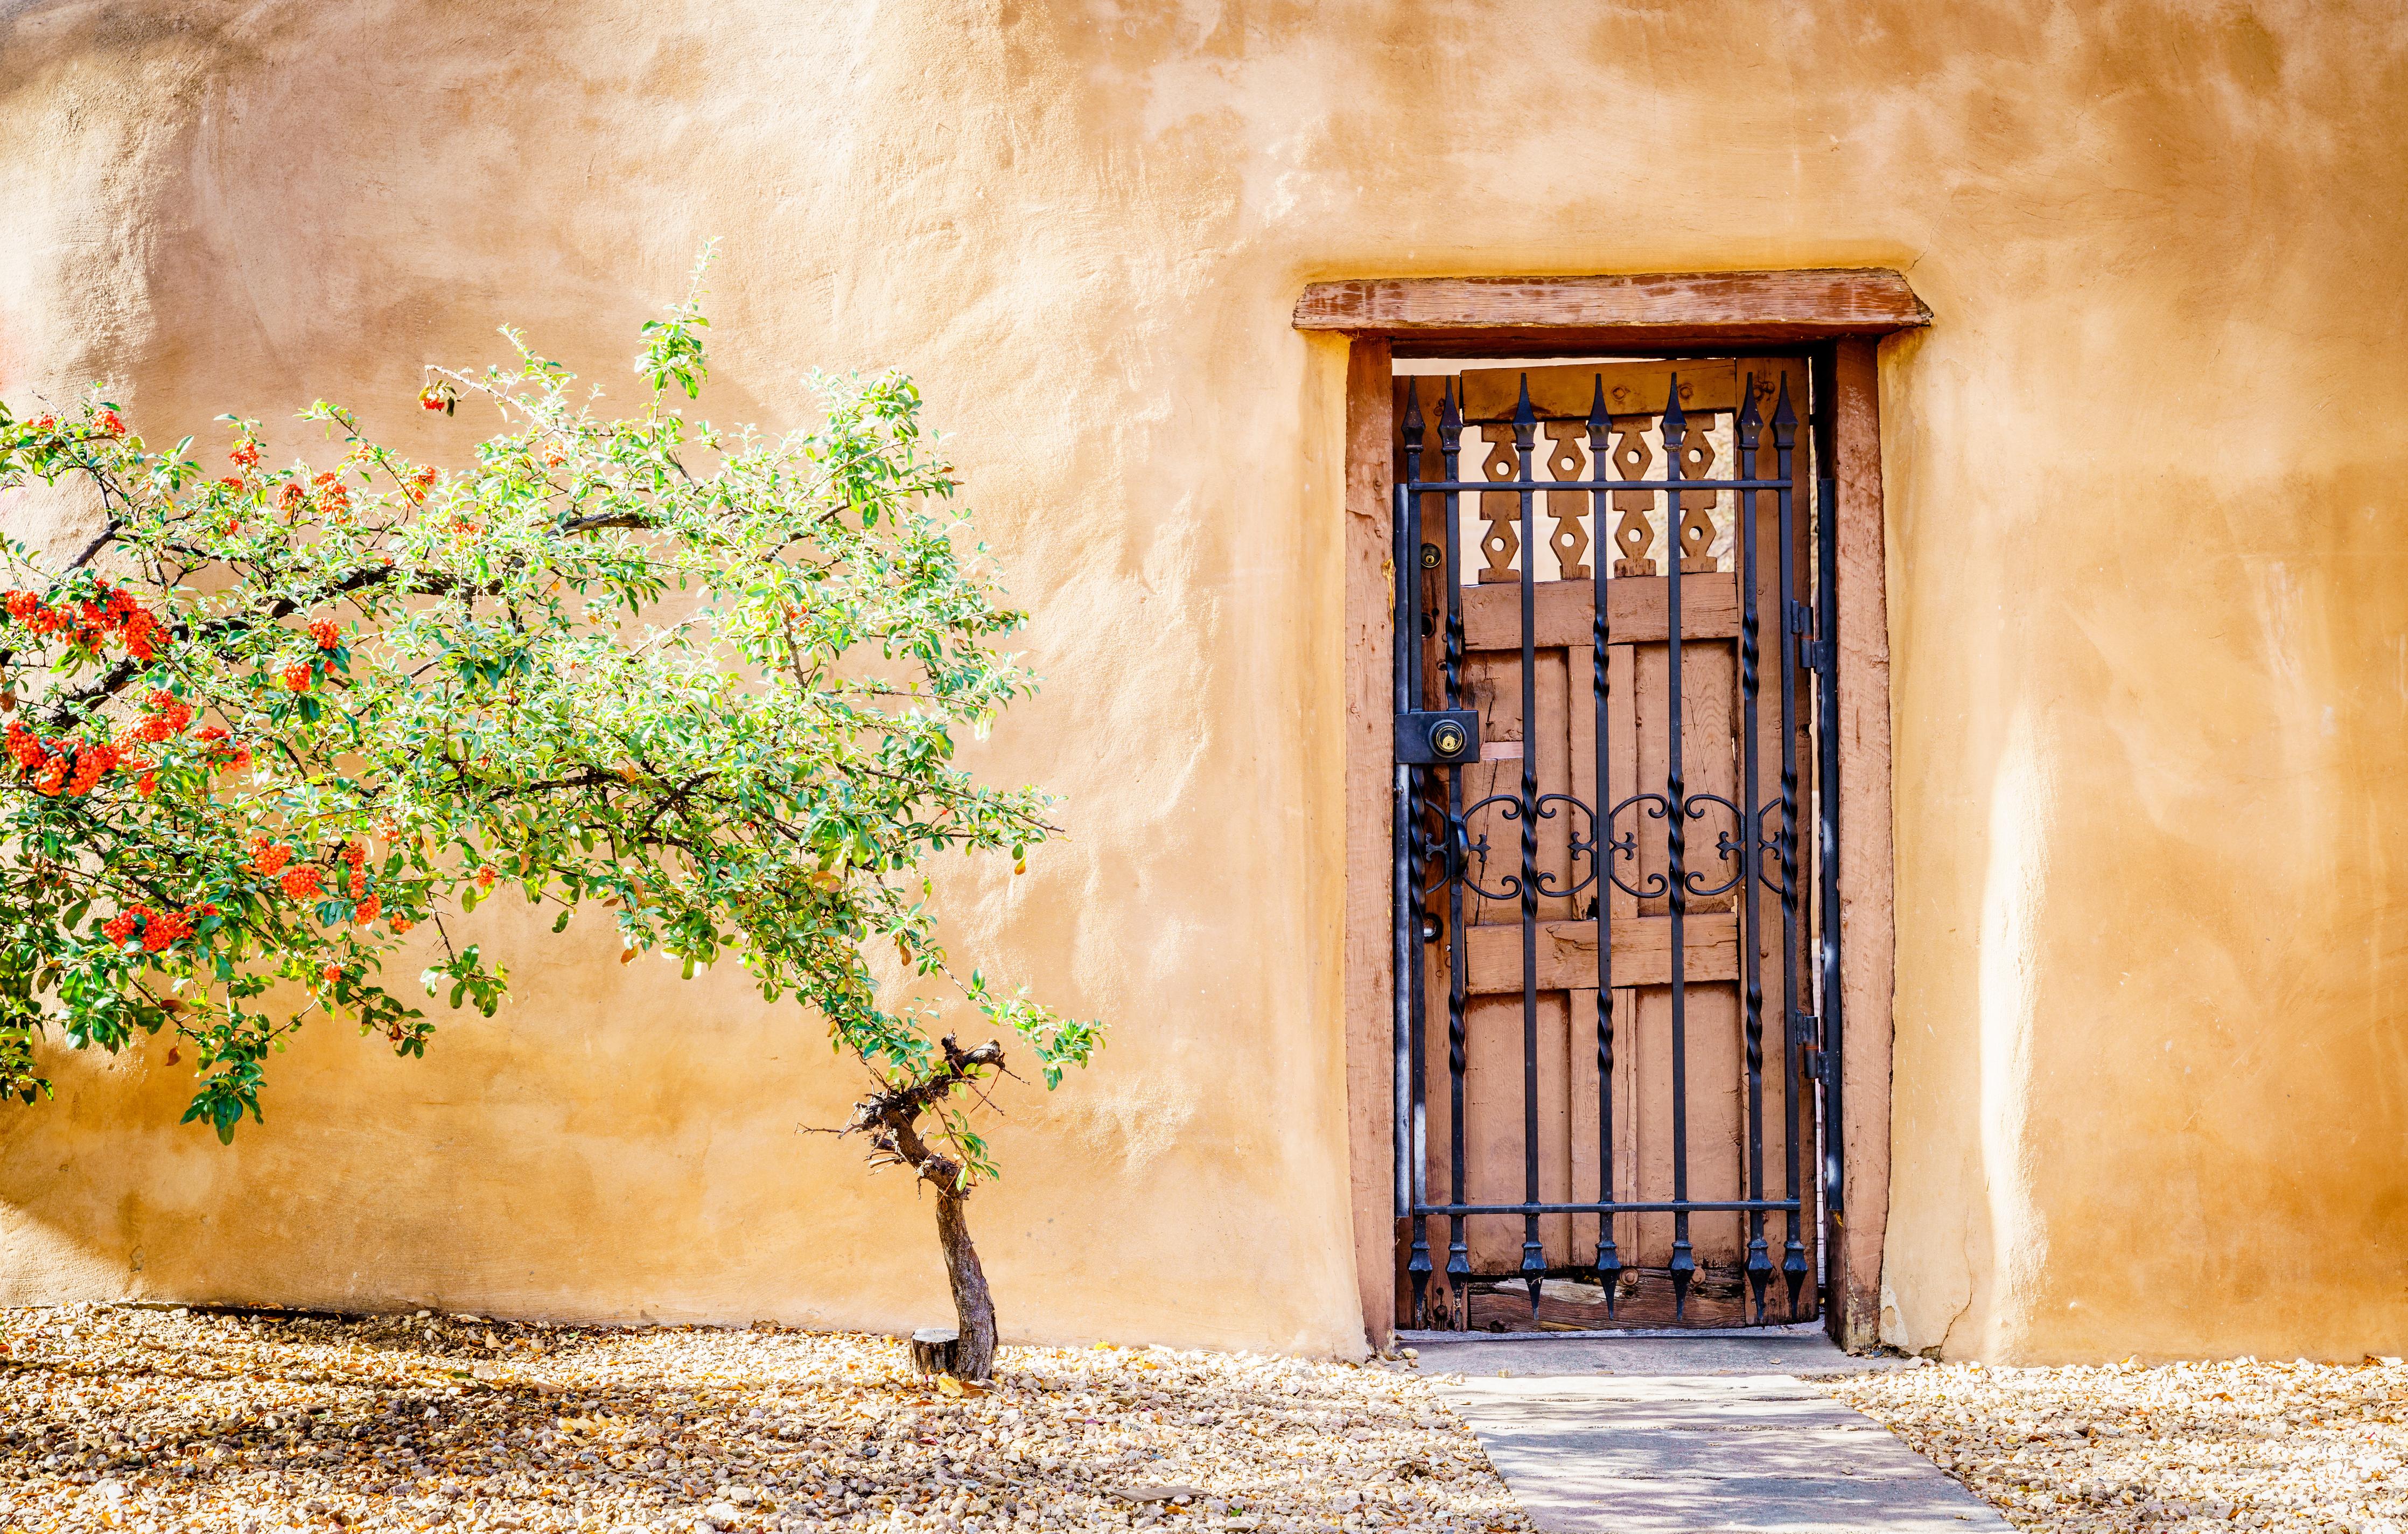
(1691, 1436)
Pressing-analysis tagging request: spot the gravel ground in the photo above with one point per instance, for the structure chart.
(2181, 1446)
(151, 1420)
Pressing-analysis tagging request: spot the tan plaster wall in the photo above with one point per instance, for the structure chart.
(2147, 623)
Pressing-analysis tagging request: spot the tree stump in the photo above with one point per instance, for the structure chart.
(933, 1349)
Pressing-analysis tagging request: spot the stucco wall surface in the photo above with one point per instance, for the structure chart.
(2149, 625)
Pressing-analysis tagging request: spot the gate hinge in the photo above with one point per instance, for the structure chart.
(1817, 655)
(1806, 1032)
(1801, 617)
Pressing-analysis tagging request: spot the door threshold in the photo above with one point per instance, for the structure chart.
(1720, 1334)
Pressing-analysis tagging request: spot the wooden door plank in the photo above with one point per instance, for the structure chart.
(1717, 1122)
(1549, 743)
(1710, 757)
(1643, 953)
(1651, 1116)
(1492, 683)
(1555, 1124)
(1564, 612)
(1622, 746)
(1625, 1118)
(1492, 1114)
(1650, 712)
(1579, 739)
(1438, 1103)
(1580, 1079)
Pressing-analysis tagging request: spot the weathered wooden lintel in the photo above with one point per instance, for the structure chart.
(1437, 314)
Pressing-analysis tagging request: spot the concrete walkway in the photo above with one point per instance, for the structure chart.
(1690, 1434)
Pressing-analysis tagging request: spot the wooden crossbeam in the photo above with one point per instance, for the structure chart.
(1642, 952)
(1566, 611)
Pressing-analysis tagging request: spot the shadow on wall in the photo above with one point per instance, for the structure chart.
(555, 1161)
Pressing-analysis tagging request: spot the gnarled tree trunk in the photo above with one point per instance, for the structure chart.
(973, 1307)
(892, 1121)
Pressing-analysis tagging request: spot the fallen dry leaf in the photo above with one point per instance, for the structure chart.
(161, 1421)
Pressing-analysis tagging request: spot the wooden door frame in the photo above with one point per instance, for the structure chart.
(1843, 315)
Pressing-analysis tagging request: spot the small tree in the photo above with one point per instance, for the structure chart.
(711, 680)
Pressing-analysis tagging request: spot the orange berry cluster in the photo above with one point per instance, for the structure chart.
(163, 714)
(268, 858)
(222, 751)
(308, 880)
(333, 499)
(111, 613)
(58, 768)
(160, 930)
(72, 768)
(370, 905)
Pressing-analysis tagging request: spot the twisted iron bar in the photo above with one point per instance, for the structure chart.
(1784, 440)
(1746, 429)
(1459, 1252)
(1609, 1256)
(1534, 1263)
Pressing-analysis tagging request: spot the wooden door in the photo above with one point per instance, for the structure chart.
(1551, 1093)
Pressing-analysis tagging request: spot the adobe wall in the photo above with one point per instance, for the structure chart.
(2150, 647)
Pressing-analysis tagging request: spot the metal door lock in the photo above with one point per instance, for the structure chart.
(1438, 736)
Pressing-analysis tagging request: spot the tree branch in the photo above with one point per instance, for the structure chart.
(890, 1118)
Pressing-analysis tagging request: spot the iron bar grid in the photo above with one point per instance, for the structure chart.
(1623, 1206)
(1436, 852)
(1525, 484)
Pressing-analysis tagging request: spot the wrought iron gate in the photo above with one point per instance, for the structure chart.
(1641, 874)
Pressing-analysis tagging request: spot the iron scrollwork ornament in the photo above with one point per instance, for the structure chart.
(1725, 846)
(1580, 846)
(1625, 847)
